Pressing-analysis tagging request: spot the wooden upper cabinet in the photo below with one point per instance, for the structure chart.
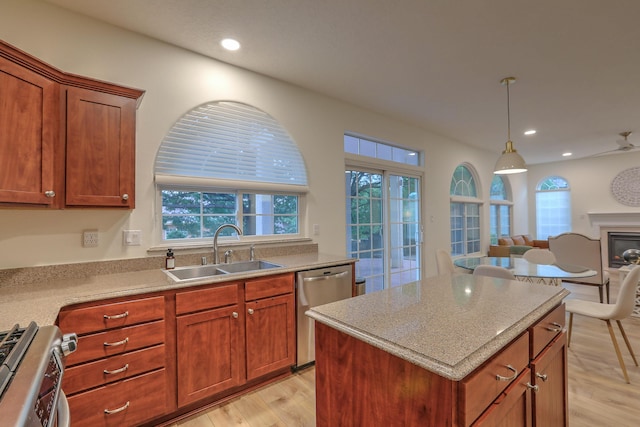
(29, 117)
(65, 140)
(100, 154)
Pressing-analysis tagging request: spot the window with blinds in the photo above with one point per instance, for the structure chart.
(227, 162)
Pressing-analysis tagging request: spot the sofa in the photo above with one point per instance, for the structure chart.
(516, 245)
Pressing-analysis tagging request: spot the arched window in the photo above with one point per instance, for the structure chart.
(500, 208)
(553, 207)
(227, 162)
(464, 212)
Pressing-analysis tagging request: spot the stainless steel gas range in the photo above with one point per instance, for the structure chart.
(31, 370)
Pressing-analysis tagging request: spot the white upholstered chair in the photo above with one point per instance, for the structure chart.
(444, 262)
(578, 249)
(608, 312)
(493, 271)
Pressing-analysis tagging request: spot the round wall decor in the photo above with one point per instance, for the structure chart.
(625, 187)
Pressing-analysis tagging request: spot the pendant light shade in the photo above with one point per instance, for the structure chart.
(510, 161)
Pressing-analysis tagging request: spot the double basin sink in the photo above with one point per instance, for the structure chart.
(202, 271)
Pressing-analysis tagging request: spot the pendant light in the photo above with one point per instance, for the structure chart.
(510, 161)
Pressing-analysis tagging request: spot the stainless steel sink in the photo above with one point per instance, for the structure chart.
(246, 266)
(203, 271)
(196, 272)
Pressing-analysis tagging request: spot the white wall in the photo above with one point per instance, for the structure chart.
(590, 182)
(177, 80)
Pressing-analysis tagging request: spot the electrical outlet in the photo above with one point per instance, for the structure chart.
(90, 238)
(316, 229)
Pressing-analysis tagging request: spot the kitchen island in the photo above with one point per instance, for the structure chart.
(450, 350)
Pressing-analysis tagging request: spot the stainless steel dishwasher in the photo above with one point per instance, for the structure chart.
(314, 288)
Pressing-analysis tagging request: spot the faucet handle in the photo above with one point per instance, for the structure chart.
(227, 256)
(252, 252)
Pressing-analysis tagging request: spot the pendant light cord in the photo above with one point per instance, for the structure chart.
(508, 114)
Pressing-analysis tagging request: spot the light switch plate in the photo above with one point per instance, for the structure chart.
(131, 237)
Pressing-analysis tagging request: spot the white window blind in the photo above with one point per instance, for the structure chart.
(230, 145)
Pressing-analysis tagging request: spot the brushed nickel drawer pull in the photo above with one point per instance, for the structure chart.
(116, 316)
(511, 378)
(116, 371)
(535, 388)
(543, 377)
(558, 327)
(115, 411)
(113, 344)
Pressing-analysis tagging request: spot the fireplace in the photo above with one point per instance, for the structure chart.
(618, 243)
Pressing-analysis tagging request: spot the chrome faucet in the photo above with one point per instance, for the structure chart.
(216, 259)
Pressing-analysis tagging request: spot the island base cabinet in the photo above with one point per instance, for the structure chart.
(512, 408)
(360, 385)
(125, 403)
(549, 374)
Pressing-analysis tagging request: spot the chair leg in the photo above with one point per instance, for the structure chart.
(626, 340)
(608, 299)
(601, 297)
(615, 346)
(570, 328)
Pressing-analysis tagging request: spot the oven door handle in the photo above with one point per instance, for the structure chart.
(63, 413)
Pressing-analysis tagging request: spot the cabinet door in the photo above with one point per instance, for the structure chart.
(512, 408)
(270, 331)
(209, 353)
(29, 134)
(549, 373)
(100, 153)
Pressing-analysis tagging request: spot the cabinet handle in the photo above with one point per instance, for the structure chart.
(125, 196)
(535, 388)
(50, 193)
(235, 315)
(113, 344)
(511, 378)
(543, 377)
(115, 411)
(558, 327)
(117, 371)
(251, 311)
(116, 316)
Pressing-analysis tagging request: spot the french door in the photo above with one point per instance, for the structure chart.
(384, 231)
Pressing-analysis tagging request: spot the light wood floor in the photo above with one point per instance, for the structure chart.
(598, 395)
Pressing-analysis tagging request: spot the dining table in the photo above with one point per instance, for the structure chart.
(528, 271)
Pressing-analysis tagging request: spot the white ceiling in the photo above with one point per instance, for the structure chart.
(433, 63)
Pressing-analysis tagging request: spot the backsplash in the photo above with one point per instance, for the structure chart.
(17, 276)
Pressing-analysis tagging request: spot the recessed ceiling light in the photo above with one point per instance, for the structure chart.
(530, 132)
(230, 44)
(567, 154)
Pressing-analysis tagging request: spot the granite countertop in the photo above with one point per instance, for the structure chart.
(41, 301)
(448, 325)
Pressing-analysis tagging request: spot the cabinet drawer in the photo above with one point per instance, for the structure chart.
(204, 299)
(268, 286)
(129, 402)
(546, 330)
(104, 344)
(112, 315)
(104, 371)
(480, 388)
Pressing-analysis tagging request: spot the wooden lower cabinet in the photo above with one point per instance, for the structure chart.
(152, 358)
(512, 408)
(124, 403)
(270, 326)
(549, 374)
(209, 353)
